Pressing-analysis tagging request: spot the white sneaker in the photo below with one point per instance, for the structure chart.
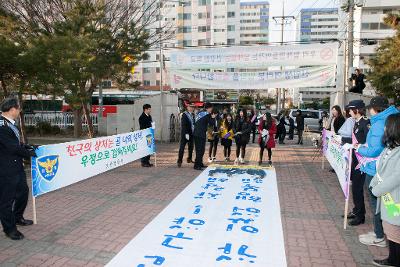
(226, 159)
(214, 159)
(371, 240)
(241, 160)
(210, 160)
(236, 161)
(368, 235)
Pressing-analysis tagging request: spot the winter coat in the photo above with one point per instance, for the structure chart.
(300, 122)
(374, 146)
(227, 133)
(272, 131)
(243, 126)
(213, 130)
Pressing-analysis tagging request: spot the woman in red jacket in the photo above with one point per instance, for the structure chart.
(266, 139)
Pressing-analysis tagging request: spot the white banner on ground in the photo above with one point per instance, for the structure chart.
(60, 165)
(259, 56)
(228, 216)
(293, 78)
(338, 158)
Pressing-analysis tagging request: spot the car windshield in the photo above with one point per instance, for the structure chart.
(311, 115)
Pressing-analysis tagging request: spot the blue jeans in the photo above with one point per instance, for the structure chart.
(378, 228)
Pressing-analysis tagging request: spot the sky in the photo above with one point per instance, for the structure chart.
(292, 8)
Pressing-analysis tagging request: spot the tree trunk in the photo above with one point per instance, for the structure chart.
(86, 113)
(77, 123)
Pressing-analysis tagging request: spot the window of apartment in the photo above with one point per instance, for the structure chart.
(219, 30)
(231, 28)
(187, 42)
(158, 82)
(383, 26)
(157, 57)
(204, 2)
(204, 15)
(157, 70)
(185, 16)
(374, 26)
(202, 42)
(231, 14)
(146, 70)
(219, 17)
(106, 84)
(146, 83)
(231, 2)
(219, 3)
(230, 41)
(203, 28)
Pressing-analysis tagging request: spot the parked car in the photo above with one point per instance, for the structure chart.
(312, 118)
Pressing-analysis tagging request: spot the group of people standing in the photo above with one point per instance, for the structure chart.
(284, 120)
(375, 165)
(226, 128)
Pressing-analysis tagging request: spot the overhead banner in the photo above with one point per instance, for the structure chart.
(60, 165)
(293, 78)
(339, 158)
(260, 56)
(228, 216)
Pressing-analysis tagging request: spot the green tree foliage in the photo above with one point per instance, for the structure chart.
(385, 66)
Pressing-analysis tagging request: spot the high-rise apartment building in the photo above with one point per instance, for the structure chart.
(318, 24)
(254, 17)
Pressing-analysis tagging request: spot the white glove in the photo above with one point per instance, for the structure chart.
(153, 125)
(187, 137)
(347, 146)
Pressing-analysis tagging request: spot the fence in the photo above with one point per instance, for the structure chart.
(60, 119)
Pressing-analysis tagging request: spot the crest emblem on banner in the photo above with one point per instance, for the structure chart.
(48, 166)
(149, 139)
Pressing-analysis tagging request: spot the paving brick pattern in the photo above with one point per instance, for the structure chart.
(87, 223)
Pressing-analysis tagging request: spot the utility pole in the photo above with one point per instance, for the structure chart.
(282, 20)
(351, 34)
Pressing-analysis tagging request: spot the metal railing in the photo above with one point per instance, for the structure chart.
(60, 119)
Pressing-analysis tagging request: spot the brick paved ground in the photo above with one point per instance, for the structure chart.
(87, 223)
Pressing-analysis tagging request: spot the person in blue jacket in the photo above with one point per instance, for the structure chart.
(379, 109)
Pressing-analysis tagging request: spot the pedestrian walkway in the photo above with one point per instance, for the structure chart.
(87, 223)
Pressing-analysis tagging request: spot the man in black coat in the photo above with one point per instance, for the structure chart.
(291, 127)
(145, 121)
(187, 128)
(14, 189)
(300, 126)
(202, 120)
(358, 80)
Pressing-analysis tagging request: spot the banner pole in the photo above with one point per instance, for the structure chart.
(346, 205)
(34, 210)
(346, 211)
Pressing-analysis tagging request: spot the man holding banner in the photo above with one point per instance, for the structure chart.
(13, 186)
(145, 121)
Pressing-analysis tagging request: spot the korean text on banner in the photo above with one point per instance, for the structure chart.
(228, 216)
(292, 78)
(338, 158)
(260, 56)
(60, 165)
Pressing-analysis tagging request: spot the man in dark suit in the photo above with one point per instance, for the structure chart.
(14, 189)
(202, 120)
(145, 121)
(300, 126)
(187, 129)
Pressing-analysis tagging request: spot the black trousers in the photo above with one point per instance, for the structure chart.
(241, 149)
(212, 151)
(262, 148)
(200, 147)
(282, 136)
(357, 189)
(145, 160)
(254, 134)
(14, 192)
(300, 134)
(291, 133)
(394, 253)
(182, 146)
(227, 151)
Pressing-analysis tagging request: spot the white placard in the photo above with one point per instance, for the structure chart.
(227, 217)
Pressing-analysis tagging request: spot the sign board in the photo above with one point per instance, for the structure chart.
(221, 96)
(228, 216)
(260, 56)
(291, 78)
(59, 165)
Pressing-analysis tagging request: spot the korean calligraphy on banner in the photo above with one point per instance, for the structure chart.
(256, 56)
(290, 78)
(338, 158)
(228, 216)
(60, 165)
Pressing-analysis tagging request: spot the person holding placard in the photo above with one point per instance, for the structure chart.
(267, 129)
(14, 190)
(145, 121)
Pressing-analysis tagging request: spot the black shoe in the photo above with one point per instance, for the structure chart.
(384, 262)
(204, 166)
(350, 215)
(179, 164)
(198, 168)
(357, 221)
(15, 235)
(151, 165)
(269, 162)
(259, 163)
(190, 161)
(23, 222)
